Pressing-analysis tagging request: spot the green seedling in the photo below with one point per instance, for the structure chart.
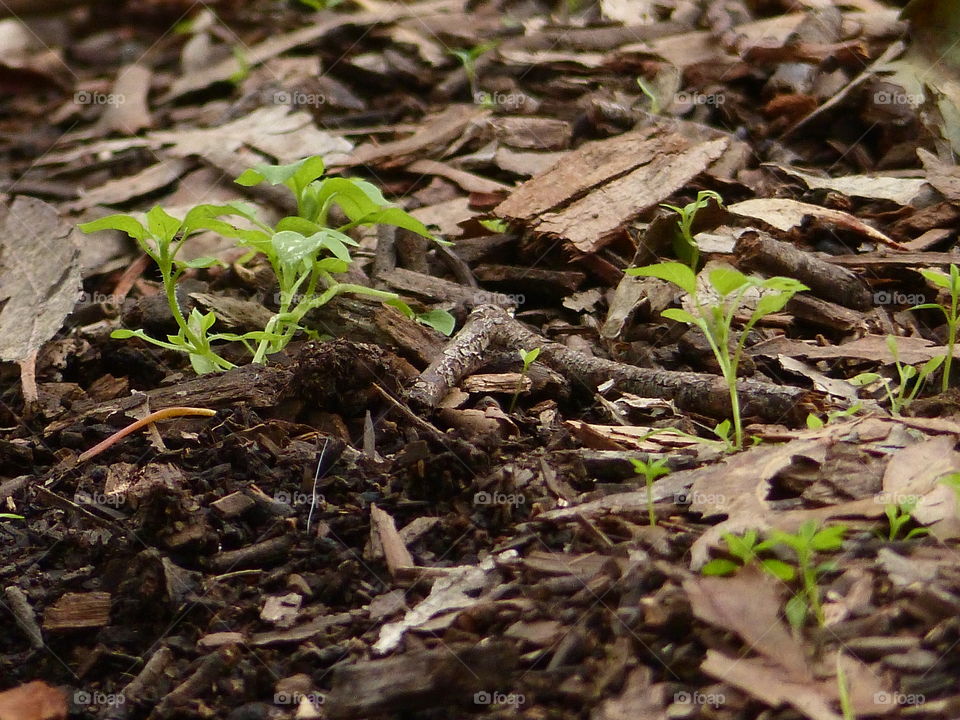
(320, 4)
(745, 549)
(651, 470)
(952, 481)
(495, 225)
(815, 423)
(716, 321)
(304, 251)
(950, 283)
(656, 109)
(898, 516)
(911, 379)
(805, 543)
(527, 357)
(468, 58)
(843, 692)
(684, 243)
(10, 516)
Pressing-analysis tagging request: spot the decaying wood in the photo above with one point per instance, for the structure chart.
(417, 680)
(211, 668)
(758, 251)
(78, 610)
(23, 614)
(142, 685)
(705, 394)
(262, 554)
(384, 531)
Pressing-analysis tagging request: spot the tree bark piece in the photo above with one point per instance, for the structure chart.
(422, 679)
(757, 251)
(705, 394)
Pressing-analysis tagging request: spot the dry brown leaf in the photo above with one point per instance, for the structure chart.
(34, 701)
(900, 190)
(748, 604)
(39, 279)
(785, 214)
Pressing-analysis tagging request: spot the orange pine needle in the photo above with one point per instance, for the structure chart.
(169, 412)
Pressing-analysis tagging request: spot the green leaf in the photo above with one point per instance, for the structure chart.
(292, 247)
(727, 279)
(331, 265)
(679, 315)
(300, 225)
(249, 178)
(201, 364)
(719, 566)
(865, 378)
(440, 320)
(674, 272)
(937, 278)
(201, 262)
(399, 218)
(779, 569)
(299, 174)
(796, 611)
(771, 303)
(124, 223)
(162, 225)
(783, 284)
(830, 538)
(813, 422)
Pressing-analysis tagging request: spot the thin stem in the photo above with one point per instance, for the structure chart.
(163, 414)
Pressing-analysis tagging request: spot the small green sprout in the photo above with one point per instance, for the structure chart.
(804, 544)
(950, 283)
(468, 58)
(10, 516)
(684, 243)
(655, 109)
(746, 549)
(952, 481)
(304, 251)
(911, 379)
(815, 423)
(527, 357)
(900, 515)
(843, 692)
(651, 470)
(716, 321)
(495, 225)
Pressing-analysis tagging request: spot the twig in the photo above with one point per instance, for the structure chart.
(698, 392)
(169, 412)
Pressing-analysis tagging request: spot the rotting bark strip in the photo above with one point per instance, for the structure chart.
(706, 394)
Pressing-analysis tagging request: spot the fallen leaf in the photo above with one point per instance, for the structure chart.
(39, 277)
(34, 701)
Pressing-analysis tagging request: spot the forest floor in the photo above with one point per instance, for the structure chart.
(526, 490)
